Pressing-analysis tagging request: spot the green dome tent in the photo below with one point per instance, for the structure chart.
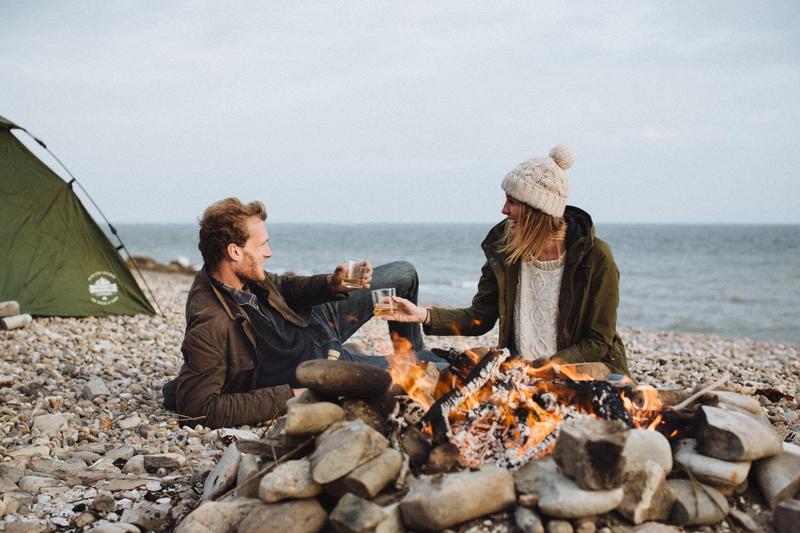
(54, 258)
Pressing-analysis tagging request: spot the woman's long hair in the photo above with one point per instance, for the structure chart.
(533, 229)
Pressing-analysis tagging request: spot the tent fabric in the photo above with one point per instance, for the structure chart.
(7, 124)
(54, 258)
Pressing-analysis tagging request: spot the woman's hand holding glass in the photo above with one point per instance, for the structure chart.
(407, 311)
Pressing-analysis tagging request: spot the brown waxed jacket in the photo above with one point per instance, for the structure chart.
(587, 307)
(216, 383)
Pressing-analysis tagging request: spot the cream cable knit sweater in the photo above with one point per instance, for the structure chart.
(535, 329)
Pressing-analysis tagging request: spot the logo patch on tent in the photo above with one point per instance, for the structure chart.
(103, 288)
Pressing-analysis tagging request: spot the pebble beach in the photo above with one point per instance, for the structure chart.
(80, 407)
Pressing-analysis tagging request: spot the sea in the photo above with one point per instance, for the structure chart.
(729, 280)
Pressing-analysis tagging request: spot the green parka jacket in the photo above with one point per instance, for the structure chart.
(587, 308)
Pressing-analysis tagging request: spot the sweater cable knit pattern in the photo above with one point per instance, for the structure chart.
(536, 307)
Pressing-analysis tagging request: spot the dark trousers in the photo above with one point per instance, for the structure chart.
(335, 322)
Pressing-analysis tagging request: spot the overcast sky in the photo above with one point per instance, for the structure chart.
(413, 111)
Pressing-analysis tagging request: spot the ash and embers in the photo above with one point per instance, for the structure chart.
(506, 411)
(518, 418)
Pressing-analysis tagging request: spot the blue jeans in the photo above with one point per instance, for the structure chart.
(335, 322)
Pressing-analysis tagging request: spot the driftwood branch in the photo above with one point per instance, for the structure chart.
(699, 394)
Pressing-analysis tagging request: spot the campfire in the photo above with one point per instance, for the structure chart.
(506, 411)
(368, 450)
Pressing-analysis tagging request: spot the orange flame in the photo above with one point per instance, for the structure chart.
(409, 373)
(644, 408)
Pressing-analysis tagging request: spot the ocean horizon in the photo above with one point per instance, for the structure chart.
(734, 280)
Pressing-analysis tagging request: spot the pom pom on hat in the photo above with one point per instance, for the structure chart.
(562, 155)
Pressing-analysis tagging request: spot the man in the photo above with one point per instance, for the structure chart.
(248, 329)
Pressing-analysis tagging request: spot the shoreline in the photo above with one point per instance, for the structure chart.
(46, 369)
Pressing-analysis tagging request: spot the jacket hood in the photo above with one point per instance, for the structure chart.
(580, 233)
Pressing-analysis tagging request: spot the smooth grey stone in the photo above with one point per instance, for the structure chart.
(299, 516)
(589, 450)
(17, 502)
(248, 465)
(787, 516)
(129, 422)
(149, 516)
(561, 497)
(438, 502)
(343, 378)
(779, 476)
(134, 465)
(355, 515)
(393, 523)
(167, 461)
(49, 423)
(370, 478)
(256, 447)
(344, 447)
(645, 445)
(740, 401)
(34, 484)
(104, 502)
(735, 436)
(9, 308)
(223, 476)
(291, 479)
(559, 526)
(123, 452)
(311, 418)
(11, 472)
(646, 494)
(64, 470)
(307, 396)
(696, 504)
(86, 456)
(217, 517)
(117, 527)
(709, 469)
(6, 485)
(94, 388)
(654, 527)
(527, 520)
(743, 519)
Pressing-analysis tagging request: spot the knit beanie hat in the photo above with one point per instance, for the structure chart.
(541, 182)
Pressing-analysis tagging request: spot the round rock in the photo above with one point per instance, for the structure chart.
(343, 378)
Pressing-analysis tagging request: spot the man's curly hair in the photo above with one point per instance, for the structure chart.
(225, 222)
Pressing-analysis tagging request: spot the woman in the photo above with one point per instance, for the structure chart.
(552, 284)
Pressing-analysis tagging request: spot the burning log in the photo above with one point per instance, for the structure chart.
(439, 414)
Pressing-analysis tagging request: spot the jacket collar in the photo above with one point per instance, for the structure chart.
(204, 278)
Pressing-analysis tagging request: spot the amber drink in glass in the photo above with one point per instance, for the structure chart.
(383, 302)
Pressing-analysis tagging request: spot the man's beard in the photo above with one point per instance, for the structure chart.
(252, 270)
